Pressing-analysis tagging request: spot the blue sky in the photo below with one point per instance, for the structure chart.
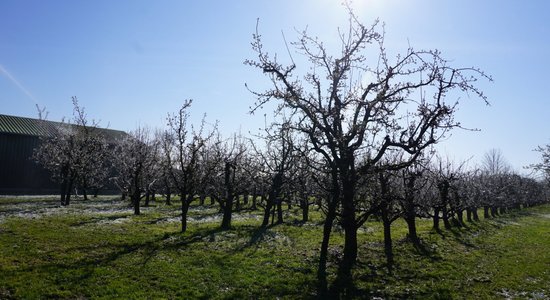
(132, 62)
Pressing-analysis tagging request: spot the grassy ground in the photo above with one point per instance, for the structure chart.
(98, 249)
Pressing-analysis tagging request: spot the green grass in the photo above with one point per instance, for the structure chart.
(79, 254)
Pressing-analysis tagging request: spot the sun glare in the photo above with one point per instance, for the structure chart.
(368, 6)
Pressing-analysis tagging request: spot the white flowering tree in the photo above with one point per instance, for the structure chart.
(75, 153)
(133, 159)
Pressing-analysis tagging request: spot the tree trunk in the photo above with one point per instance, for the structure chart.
(63, 192)
(84, 193)
(228, 206)
(445, 217)
(387, 241)
(410, 217)
(474, 213)
(273, 197)
(254, 200)
(184, 209)
(135, 190)
(202, 198)
(245, 198)
(443, 187)
(279, 211)
(350, 230)
(147, 198)
(411, 225)
(168, 196)
(469, 215)
(349, 223)
(227, 213)
(64, 185)
(436, 219)
(323, 255)
(485, 212)
(304, 203)
(267, 213)
(460, 215)
(350, 251)
(68, 195)
(136, 195)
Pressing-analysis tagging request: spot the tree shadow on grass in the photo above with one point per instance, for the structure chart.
(101, 218)
(424, 249)
(462, 236)
(345, 288)
(111, 252)
(257, 235)
(69, 273)
(77, 266)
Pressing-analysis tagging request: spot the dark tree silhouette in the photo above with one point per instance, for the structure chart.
(184, 156)
(402, 106)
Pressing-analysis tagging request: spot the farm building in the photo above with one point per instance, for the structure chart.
(19, 173)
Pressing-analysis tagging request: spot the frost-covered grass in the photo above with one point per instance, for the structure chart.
(98, 249)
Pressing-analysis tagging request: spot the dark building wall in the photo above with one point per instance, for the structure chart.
(19, 174)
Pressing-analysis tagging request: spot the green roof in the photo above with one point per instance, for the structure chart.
(43, 128)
